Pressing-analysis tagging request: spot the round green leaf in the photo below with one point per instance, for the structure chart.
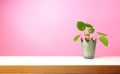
(89, 25)
(76, 38)
(81, 26)
(104, 40)
(91, 30)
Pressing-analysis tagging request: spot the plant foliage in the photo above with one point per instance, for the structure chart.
(81, 26)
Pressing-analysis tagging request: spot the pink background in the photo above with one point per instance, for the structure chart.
(47, 27)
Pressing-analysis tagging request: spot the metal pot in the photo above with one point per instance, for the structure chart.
(88, 48)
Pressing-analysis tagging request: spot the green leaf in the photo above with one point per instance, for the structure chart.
(100, 33)
(76, 38)
(104, 40)
(89, 25)
(81, 26)
(91, 30)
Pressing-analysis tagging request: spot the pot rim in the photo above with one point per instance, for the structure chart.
(87, 40)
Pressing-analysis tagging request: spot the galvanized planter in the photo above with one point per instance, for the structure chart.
(88, 48)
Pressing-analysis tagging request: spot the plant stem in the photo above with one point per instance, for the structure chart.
(84, 34)
(89, 36)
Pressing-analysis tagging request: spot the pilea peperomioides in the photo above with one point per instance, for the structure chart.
(81, 26)
(89, 42)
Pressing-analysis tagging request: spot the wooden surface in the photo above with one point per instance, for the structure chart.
(60, 69)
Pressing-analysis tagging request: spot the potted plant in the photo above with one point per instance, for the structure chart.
(88, 42)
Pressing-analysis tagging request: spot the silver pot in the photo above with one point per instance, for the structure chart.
(88, 48)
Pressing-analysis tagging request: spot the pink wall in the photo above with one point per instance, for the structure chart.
(47, 27)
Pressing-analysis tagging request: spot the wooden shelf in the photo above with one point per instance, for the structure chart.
(59, 65)
(59, 69)
(58, 60)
